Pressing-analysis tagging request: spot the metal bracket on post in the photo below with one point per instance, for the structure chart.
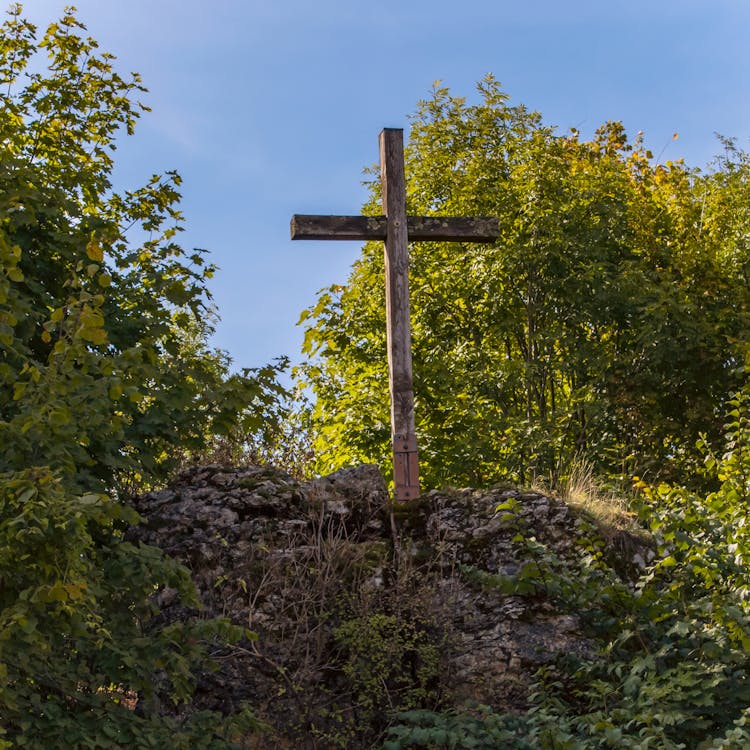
(405, 467)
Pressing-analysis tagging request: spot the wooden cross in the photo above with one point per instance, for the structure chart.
(397, 230)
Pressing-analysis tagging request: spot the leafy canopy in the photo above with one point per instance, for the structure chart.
(106, 382)
(609, 319)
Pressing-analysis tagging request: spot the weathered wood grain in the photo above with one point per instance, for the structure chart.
(418, 228)
(398, 327)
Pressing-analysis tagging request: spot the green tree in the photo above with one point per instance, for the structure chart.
(600, 322)
(106, 382)
(140, 309)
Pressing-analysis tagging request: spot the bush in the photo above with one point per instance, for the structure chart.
(672, 667)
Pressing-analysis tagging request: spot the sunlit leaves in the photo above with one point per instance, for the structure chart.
(94, 251)
(605, 320)
(106, 380)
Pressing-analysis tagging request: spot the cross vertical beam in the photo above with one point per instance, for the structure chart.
(397, 311)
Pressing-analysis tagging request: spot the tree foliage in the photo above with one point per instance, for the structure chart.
(609, 319)
(106, 381)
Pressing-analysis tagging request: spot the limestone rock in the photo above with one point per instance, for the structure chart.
(304, 564)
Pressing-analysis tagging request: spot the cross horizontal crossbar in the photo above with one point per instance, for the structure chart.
(418, 228)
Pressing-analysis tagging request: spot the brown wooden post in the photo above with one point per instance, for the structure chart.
(397, 311)
(397, 230)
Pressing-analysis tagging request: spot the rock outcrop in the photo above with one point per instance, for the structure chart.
(350, 626)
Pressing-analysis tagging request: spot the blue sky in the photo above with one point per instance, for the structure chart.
(272, 108)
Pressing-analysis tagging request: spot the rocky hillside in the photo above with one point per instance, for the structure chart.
(353, 623)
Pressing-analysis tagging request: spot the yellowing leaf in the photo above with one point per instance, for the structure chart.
(57, 593)
(94, 251)
(91, 317)
(94, 335)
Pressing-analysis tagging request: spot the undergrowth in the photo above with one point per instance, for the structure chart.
(671, 668)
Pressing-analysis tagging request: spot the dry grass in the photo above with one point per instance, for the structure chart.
(580, 488)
